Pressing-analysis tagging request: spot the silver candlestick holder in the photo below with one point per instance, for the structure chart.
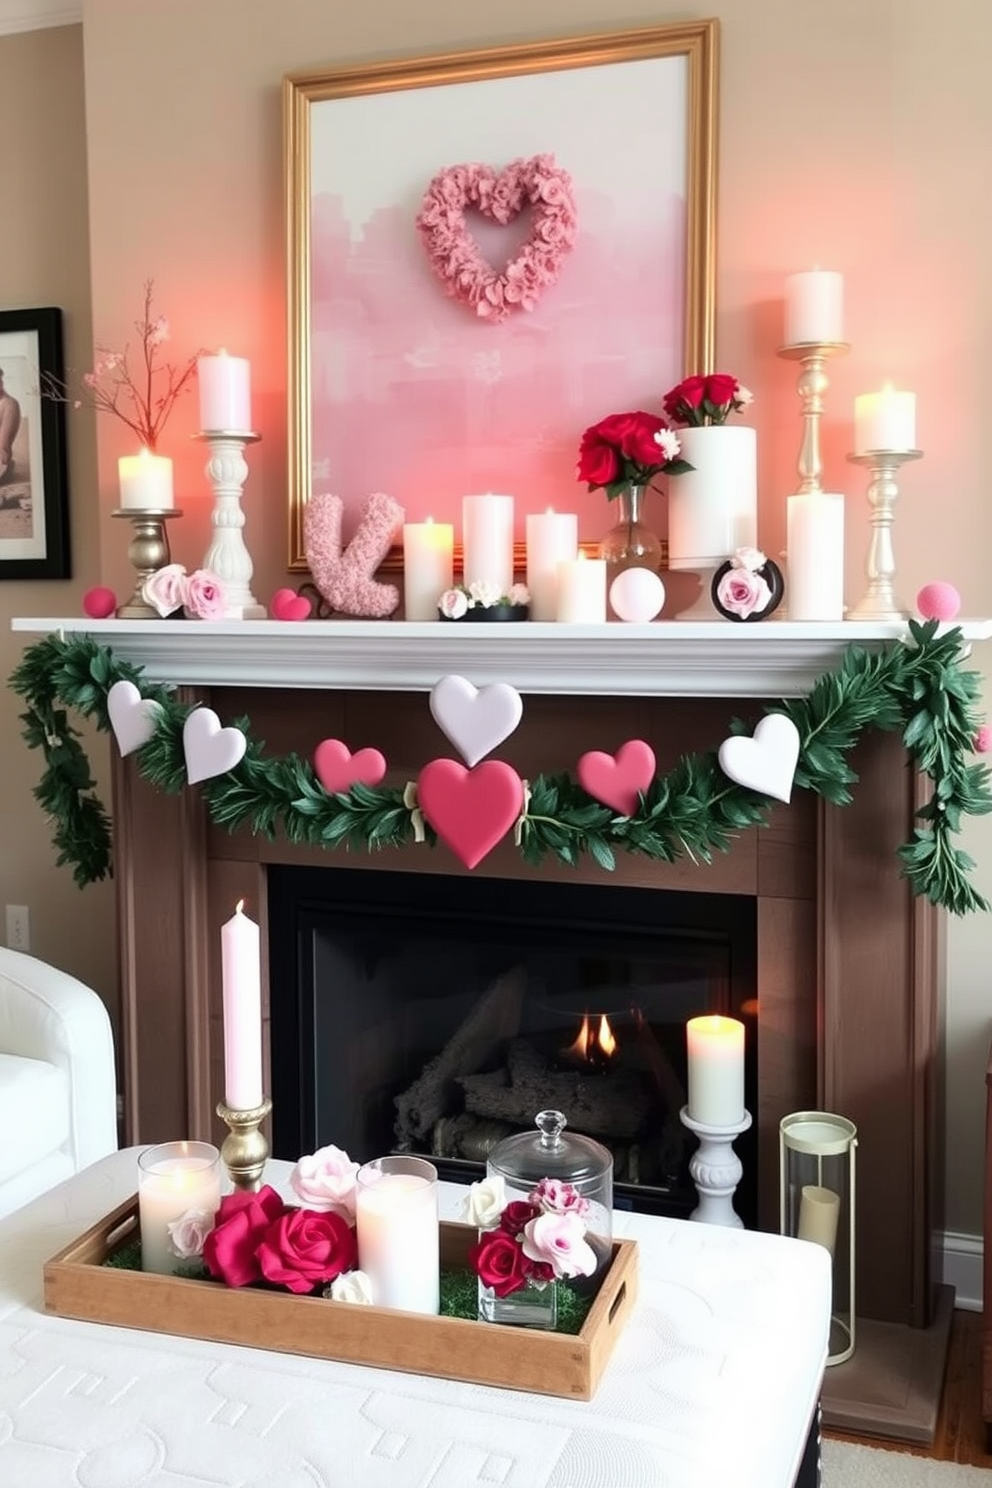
(716, 1170)
(148, 551)
(811, 386)
(228, 556)
(879, 600)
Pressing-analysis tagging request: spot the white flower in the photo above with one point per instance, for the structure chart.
(743, 396)
(350, 1286)
(483, 593)
(519, 594)
(484, 1203)
(750, 558)
(668, 442)
(325, 1181)
(188, 1232)
(453, 603)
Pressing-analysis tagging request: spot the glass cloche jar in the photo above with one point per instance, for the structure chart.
(574, 1176)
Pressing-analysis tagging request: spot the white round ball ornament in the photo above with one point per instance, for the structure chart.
(637, 595)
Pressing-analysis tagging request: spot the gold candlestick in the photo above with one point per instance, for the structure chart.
(148, 551)
(879, 600)
(245, 1149)
(811, 386)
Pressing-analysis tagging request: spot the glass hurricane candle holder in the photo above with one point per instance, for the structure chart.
(176, 1180)
(399, 1232)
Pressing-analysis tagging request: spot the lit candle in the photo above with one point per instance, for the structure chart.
(398, 1234)
(552, 538)
(819, 1210)
(582, 591)
(814, 588)
(884, 421)
(487, 540)
(145, 482)
(716, 1070)
(225, 393)
(242, 996)
(173, 1180)
(427, 566)
(814, 307)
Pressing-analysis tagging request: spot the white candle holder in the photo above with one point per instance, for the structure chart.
(811, 386)
(716, 1170)
(879, 600)
(227, 555)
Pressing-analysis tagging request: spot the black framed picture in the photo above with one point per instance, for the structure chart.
(34, 492)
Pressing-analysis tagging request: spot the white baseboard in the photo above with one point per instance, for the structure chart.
(962, 1268)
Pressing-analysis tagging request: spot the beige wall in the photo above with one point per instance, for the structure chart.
(44, 260)
(856, 135)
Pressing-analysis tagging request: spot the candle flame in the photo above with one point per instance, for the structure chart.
(239, 906)
(429, 521)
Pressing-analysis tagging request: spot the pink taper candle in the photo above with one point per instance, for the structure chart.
(242, 979)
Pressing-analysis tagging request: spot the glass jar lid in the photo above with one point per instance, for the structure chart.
(524, 1159)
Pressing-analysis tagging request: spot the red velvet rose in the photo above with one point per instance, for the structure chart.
(242, 1220)
(639, 444)
(304, 1247)
(689, 394)
(599, 463)
(516, 1214)
(720, 389)
(500, 1262)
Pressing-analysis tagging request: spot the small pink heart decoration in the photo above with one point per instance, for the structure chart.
(338, 769)
(286, 604)
(470, 810)
(618, 780)
(767, 761)
(209, 749)
(133, 718)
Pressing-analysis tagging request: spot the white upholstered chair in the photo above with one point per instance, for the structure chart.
(58, 1088)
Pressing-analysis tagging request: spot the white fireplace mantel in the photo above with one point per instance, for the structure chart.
(665, 659)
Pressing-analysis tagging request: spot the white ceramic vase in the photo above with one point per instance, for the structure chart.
(713, 508)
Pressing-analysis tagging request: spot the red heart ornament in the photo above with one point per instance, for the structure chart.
(470, 810)
(618, 780)
(286, 604)
(338, 769)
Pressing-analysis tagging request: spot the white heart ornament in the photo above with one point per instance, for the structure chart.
(133, 718)
(475, 719)
(767, 761)
(210, 749)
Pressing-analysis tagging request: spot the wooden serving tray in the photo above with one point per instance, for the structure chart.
(78, 1285)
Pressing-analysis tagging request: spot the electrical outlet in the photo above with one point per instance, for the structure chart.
(18, 927)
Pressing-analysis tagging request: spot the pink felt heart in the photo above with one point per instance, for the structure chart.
(286, 604)
(618, 780)
(470, 810)
(338, 769)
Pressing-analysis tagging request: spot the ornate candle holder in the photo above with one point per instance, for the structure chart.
(716, 1170)
(879, 600)
(245, 1150)
(811, 386)
(227, 555)
(148, 551)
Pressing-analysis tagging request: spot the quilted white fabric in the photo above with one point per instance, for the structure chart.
(713, 1382)
(34, 1112)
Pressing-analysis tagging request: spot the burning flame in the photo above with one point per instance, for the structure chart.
(589, 1046)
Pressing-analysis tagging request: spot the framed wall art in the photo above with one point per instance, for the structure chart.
(34, 498)
(429, 357)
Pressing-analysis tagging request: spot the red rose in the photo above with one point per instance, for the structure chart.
(599, 462)
(516, 1214)
(639, 443)
(687, 395)
(500, 1262)
(720, 389)
(306, 1246)
(242, 1220)
(615, 428)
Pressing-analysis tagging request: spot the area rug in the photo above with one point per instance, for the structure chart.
(849, 1466)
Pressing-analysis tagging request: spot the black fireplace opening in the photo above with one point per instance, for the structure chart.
(437, 1015)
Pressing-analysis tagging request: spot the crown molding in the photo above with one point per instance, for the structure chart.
(34, 15)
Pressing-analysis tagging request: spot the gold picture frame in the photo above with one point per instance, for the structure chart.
(307, 97)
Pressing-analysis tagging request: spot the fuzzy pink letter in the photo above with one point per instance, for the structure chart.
(345, 579)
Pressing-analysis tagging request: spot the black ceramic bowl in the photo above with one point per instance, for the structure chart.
(489, 615)
(772, 575)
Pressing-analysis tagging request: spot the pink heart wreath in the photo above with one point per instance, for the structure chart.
(501, 196)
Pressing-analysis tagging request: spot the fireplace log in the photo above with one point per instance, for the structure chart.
(613, 1103)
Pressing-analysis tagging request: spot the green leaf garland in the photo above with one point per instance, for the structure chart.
(917, 687)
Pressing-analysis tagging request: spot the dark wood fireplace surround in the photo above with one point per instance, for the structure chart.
(849, 962)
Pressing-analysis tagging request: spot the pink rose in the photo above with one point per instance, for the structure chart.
(188, 1232)
(742, 591)
(982, 741)
(229, 1251)
(555, 1197)
(558, 1240)
(204, 597)
(453, 604)
(165, 589)
(302, 1248)
(325, 1181)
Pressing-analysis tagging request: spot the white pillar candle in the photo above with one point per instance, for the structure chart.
(814, 307)
(819, 1210)
(173, 1179)
(487, 541)
(716, 1070)
(398, 1233)
(552, 538)
(242, 997)
(145, 482)
(427, 566)
(225, 393)
(884, 421)
(814, 588)
(582, 591)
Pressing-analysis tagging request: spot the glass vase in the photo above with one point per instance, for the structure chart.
(534, 1305)
(631, 543)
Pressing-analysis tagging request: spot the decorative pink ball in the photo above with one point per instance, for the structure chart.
(982, 741)
(99, 603)
(938, 601)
